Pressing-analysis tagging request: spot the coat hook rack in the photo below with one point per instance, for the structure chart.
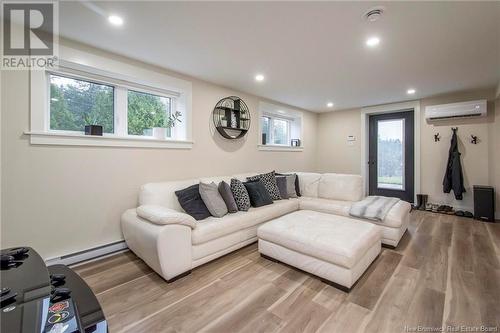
(473, 139)
(437, 137)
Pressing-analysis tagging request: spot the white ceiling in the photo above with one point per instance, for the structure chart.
(310, 53)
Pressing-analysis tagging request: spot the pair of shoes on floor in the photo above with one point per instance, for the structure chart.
(445, 209)
(464, 213)
(431, 207)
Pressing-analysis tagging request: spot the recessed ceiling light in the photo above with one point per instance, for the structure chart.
(329, 104)
(281, 111)
(373, 41)
(411, 91)
(115, 20)
(259, 77)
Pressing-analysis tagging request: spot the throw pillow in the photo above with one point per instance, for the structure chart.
(297, 185)
(227, 196)
(213, 200)
(190, 200)
(281, 182)
(258, 194)
(290, 185)
(240, 195)
(269, 180)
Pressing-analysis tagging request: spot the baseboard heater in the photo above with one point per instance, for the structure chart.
(89, 254)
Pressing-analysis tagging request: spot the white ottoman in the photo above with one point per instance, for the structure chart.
(335, 248)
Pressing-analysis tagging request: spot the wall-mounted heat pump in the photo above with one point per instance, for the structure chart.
(471, 109)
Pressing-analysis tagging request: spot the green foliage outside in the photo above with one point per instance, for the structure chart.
(390, 161)
(80, 103)
(396, 180)
(76, 103)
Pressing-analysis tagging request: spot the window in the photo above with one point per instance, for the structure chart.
(281, 131)
(132, 111)
(75, 103)
(279, 127)
(148, 111)
(276, 130)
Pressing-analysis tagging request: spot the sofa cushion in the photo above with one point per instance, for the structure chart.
(190, 200)
(309, 182)
(291, 182)
(296, 183)
(281, 182)
(163, 193)
(335, 239)
(240, 195)
(162, 215)
(258, 194)
(210, 195)
(269, 181)
(338, 186)
(337, 207)
(396, 215)
(227, 196)
(393, 219)
(212, 227)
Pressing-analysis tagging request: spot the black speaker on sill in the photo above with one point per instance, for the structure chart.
(484, 203)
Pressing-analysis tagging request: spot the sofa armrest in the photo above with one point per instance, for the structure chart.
(165, 248)
(162, 215)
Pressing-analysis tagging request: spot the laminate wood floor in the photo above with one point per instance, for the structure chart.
(444, 273)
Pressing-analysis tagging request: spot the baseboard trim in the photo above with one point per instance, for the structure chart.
(89, 254)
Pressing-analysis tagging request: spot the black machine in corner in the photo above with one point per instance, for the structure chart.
(484, 203)
(39, 298)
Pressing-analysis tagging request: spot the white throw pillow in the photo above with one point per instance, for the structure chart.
(162, 215)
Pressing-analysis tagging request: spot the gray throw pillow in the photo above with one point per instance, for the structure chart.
(240, 195)
(269, 180)
(290, 186)
(213, 200)
(227, 195)
(281, 181)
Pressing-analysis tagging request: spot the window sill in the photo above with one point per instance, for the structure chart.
(279, 148)
(77, 139)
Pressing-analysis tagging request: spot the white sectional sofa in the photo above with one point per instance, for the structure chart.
(172, 242)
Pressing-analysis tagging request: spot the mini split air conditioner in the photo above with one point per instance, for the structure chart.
(471, 109)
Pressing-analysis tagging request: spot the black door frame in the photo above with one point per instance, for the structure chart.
(408, 194)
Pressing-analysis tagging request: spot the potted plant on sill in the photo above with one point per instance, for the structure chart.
(170, 122)
(91, 127)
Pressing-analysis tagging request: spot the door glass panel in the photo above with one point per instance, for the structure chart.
(390, 154)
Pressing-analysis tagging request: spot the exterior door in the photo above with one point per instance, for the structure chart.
(391, 155)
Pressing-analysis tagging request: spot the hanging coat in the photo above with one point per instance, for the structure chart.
(453, 177)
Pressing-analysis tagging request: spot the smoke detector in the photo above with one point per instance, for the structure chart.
(374, 14)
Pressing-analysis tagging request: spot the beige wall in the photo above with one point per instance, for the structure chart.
(480, 162)
(335, 154)
(495, 154)
(62, 199)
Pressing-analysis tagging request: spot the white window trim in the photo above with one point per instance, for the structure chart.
(390, 108)
(40, 132)
(266, 110)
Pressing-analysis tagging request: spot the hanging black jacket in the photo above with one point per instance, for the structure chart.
(453, 177)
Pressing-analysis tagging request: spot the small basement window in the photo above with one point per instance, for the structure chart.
(132, 113)
(279, 127)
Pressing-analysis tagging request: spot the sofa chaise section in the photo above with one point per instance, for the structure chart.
(335, 193)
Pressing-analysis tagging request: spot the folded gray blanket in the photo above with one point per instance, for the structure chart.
(372, 207)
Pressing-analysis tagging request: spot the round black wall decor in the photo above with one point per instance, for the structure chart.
(231, 117)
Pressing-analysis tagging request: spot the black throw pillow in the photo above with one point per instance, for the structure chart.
(297, 186)
(258, 194)
(190, 200)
